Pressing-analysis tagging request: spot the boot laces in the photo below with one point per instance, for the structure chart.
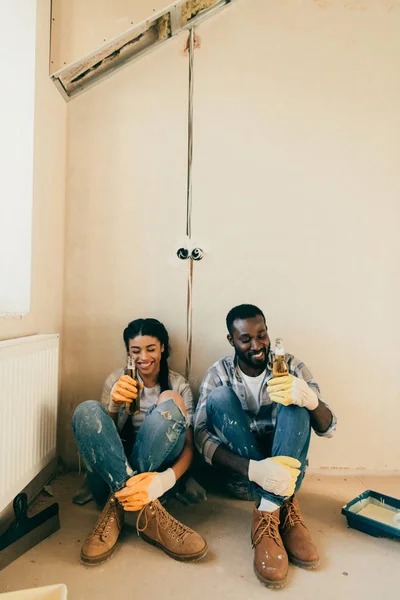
(108, 514)
(293, 515)
(268, 526)
(166, 521)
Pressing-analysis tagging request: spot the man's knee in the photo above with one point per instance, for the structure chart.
(222, 398)
(177, 398)
(297, 415)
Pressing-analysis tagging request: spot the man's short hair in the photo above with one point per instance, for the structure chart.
(243, 311)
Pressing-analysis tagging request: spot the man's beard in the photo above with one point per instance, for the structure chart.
(255, 364)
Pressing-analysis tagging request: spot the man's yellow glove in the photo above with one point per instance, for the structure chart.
(144, 488)
(288, 390)
(126, 390)
(277, 474)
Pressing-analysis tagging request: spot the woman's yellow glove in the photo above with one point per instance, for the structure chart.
(126, 390)
(144, 488)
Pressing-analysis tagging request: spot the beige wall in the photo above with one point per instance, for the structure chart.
(296, 186)
(45, 315)
(127, 145)
(297, 128)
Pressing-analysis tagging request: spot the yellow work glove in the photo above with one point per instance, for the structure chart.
(277, 474)
(126, 390)
(144, 488)
(288, 390)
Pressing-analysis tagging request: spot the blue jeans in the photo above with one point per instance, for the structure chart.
(158, 444)
(231, 425)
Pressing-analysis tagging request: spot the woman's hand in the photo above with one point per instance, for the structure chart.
(144, 488)
(126, 390)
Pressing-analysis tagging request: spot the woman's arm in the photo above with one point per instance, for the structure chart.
(153, 485)
(105, 398)
(185, 458)
(114, 416)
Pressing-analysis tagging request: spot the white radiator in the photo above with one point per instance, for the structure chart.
(28, 410)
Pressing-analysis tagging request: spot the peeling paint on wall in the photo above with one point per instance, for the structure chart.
(133, 43)
(193, 7)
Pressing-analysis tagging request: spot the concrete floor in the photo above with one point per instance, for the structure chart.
(354, 565)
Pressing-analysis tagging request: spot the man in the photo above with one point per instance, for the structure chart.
(257, 429)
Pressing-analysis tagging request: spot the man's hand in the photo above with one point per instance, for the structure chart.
(288, 390)
(277, 474)
(142, 489)
(125, 390)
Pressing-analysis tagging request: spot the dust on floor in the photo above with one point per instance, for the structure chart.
(353, 565)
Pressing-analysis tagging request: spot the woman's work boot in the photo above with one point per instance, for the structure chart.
(101, 542)
(157, 527)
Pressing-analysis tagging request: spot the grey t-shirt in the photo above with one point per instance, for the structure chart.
(148, 396)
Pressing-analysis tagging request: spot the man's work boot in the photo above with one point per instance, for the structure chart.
(270, 558)
(156, 526)
(101, 542)
(296, 537)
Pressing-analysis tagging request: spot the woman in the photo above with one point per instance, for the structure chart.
(160, 447)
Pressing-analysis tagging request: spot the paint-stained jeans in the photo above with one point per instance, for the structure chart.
(158, 444)
(291, 438)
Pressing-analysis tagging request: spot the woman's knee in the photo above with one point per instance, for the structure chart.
(86, 412)
(177, 398)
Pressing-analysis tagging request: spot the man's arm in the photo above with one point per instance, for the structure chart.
(323, 421)
(206, 443)
(321, 418)
(223, 457)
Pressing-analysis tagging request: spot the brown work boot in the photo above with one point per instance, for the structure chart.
(270, 558)
(296, 537)
(156, 526)
(101, 542)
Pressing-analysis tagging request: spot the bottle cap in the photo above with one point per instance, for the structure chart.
(279, 349)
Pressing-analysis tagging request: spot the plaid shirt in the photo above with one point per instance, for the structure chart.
(226, 372)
